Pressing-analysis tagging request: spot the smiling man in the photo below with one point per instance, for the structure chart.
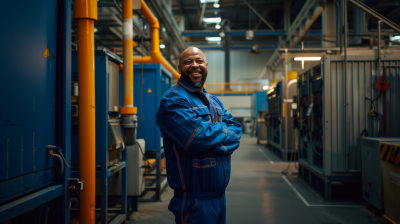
(199, 138)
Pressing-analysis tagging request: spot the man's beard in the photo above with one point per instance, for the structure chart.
(198, 84)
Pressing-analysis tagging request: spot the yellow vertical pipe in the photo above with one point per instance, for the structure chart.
(85, 12)
(155, 40)
(127, 53)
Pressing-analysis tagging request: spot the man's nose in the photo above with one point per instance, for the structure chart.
(194, 64)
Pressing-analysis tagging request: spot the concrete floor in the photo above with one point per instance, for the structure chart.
(259, 193)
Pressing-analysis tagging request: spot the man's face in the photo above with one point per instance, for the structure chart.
(193, 67)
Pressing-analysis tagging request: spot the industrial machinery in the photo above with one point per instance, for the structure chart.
(280, 117)
(372, 170)
(259, 109)
(135, 181)
(34, 108)
(110, 141)
(151, 81)
(335, 98)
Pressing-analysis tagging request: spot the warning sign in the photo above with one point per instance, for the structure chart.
(46, 52)
(149, 91)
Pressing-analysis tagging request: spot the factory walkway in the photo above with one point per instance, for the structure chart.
(259, 193)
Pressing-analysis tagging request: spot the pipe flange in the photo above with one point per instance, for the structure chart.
(129, 121)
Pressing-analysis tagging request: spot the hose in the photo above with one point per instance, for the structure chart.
(276, 134)
(312, 145)
(59, 151)
(61, 162)
(300, 120)
(291, 157)
(380, 124)
(315, 150)
(302, 142)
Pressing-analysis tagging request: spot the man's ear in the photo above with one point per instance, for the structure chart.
(179, 69)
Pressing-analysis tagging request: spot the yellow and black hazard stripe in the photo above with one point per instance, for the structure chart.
(390, 152)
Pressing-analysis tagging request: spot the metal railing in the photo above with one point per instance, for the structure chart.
(232, 87)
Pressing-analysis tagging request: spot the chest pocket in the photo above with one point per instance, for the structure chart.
(220, 113)
(202, 112)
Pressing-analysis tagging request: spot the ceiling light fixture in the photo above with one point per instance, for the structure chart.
(217, 26)
(95, 30)
(394, 38)
(213, 38)
(208, 1)
(162, 46)
(249, 35)
(307, 58)
(216, 5)
(212, 20)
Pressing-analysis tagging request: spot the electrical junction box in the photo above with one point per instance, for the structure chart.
(135, 179)
(372, 170)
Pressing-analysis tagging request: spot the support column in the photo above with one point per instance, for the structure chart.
(85, 12)
(329, 24)
(227, 48)
(227, 60)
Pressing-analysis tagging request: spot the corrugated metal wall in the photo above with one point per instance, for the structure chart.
(346, 108)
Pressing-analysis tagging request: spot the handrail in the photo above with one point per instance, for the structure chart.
(223, 90)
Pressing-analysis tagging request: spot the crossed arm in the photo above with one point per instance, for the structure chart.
(192, 134)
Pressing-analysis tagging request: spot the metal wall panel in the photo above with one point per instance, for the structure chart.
(28, 103)
(346, 109)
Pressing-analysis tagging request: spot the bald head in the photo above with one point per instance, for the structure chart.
(193, 67)
(191, 51)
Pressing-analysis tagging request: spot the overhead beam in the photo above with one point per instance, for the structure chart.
(215, 33)
(306, 17)
(266, 10)
(258, 14)
(376, 14)
(396, 10)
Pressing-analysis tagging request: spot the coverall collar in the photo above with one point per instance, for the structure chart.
(188, 87)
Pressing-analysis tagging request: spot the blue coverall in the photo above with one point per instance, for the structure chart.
(199, 137)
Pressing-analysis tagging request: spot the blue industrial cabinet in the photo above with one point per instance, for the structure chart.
(151, 82)
(261, 101)
(157, 80)
(31, 105)
(104, 62)
(259, 107)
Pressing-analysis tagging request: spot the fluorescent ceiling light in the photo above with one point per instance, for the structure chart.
(217, 26)
(212, 20)
(307, 58)
(213, 38)
(207, 1)
(216, 5)
(265, 87)
(395, 38)
(162, 46)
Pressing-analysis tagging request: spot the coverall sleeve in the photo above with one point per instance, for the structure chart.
(188, 131)
(232, 141)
